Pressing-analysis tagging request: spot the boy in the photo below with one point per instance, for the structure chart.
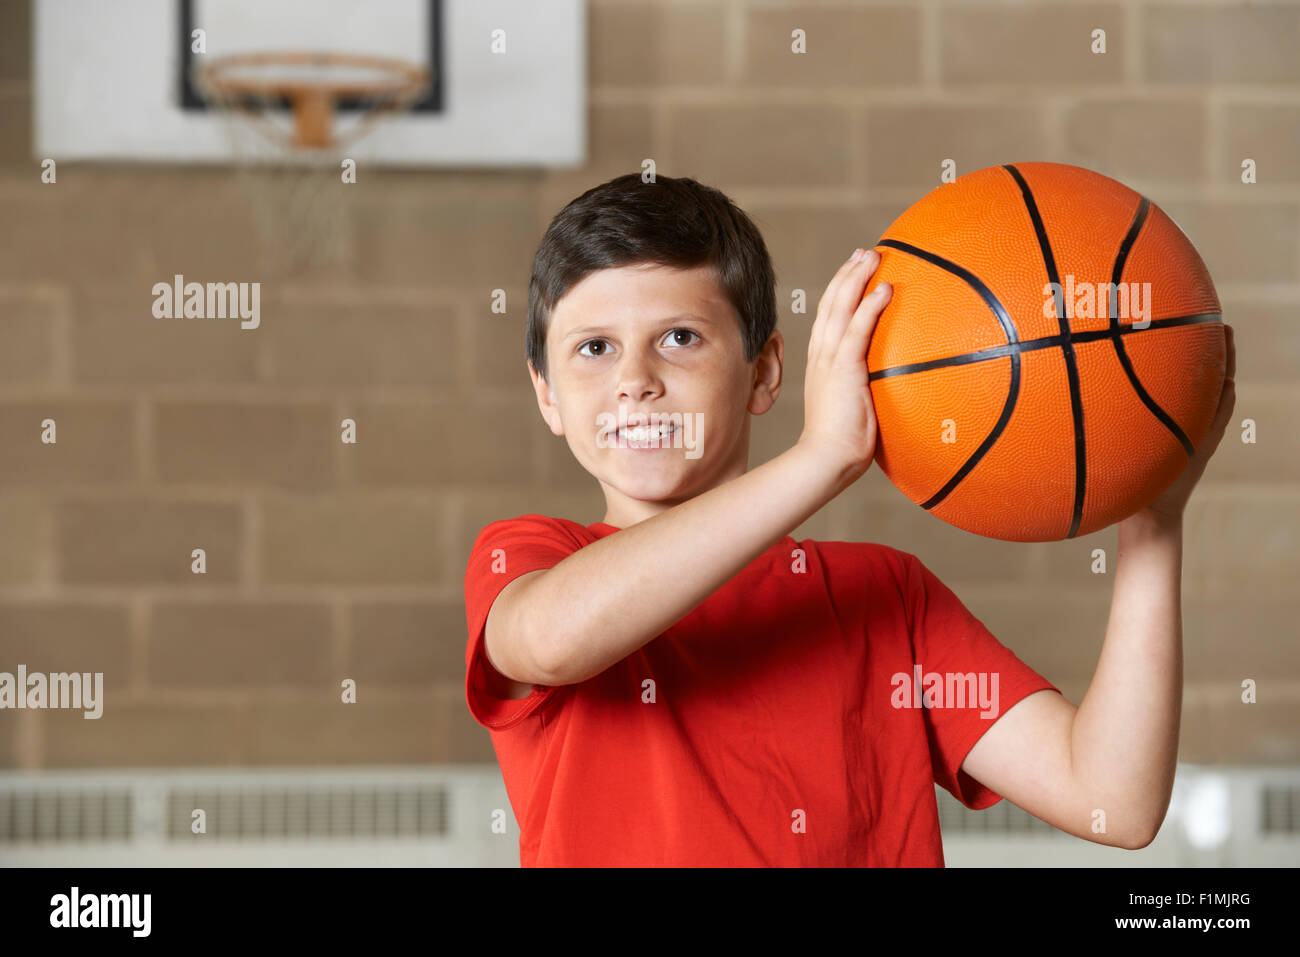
(684, 684)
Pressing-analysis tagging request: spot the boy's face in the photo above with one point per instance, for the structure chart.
(652, 339)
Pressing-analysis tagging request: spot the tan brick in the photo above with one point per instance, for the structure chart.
(349, 540)
(418, 234)
(473, 511)
(620, 136)
(485, 440)
(874, 486)
(146, 541)
(1158, 139)
(401, 643)
(16, 132)
(15, 40)
(382, 727)
(1275, 454)
(241, 645)
(370, 345)
(768, 145)
(809, 243)
(146, 734)
(557, 466)
(95, 441)
(227, 248)
(1068, 563)
(1240, 635)
(80, 637)
(1242, 734)
(1229, 43)
(270, 729)
(1227, 543)
(1242, 242)
(493, 348)
(28, 327)
(875, 47)
(1241, 544)
(460, 739)
(907, 145)
(1267, 339)
(1058, 635)
(54, 242)
(954, 555)
(656, 46)
(776, 430)
(116, 338)
(796, 331)
(20, 530)
(1040, 45)
(1267, 133)
(1196, 730)
(248, 443)
(10, 747)
(131, 226)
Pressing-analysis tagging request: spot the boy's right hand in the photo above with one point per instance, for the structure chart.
(839, 417)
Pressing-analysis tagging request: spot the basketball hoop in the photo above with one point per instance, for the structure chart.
(312, 84)
(289, 158)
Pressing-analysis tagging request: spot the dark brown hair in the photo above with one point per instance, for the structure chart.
(674, 221)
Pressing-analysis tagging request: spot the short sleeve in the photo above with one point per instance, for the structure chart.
(503, 551)
(950, 642)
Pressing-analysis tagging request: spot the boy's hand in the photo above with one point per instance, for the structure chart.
(1173, 500)
(839, 418)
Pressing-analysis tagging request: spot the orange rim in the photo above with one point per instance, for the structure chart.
(406, 77)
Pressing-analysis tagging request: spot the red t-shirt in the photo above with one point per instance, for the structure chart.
(774, 736)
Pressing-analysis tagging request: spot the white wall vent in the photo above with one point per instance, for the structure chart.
(459, 816)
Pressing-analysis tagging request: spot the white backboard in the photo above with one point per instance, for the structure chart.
(109, 76)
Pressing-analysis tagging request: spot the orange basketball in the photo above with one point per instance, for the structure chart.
(1051, 356)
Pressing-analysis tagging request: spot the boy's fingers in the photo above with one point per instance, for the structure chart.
(1222, 415)
(1227, 398)
(815, 337)
(824, 305)
(847, 298)
(864, 321)
(832, 287)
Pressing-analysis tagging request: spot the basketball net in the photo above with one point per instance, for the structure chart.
(289, 161)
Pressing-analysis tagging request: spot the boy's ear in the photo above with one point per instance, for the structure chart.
(767, 374)
(546, 399)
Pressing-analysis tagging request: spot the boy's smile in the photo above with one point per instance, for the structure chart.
(650, 386)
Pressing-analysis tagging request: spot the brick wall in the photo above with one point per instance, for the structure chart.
(327, 561)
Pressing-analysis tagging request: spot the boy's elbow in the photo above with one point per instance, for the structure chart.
(1147, 833)
(1136, 844)
(550, 662)
(1142, 837)
(562, 663)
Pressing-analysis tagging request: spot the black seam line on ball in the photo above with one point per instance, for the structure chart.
(1067, 350)
(1116, 276)
(1008, 328)
(1046, 342)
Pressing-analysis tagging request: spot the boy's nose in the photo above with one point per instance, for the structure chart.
(637, 380)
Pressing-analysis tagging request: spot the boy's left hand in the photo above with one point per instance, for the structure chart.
(1169, 506)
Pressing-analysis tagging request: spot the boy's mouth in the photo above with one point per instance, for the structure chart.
(644, 435)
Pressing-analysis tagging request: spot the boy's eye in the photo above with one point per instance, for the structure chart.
(674, 336)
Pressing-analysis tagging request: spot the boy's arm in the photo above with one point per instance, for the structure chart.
(607, 599)
(570, 622)
(1117, 751)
